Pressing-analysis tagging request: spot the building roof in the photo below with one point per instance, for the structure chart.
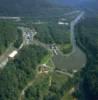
(13, 54)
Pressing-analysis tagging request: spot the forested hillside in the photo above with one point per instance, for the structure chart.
(88, 36)
(18, 72)
(52, 33)
(90, 6)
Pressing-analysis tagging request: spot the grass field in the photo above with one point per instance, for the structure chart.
(62, 83)
(67, 96)
(65, 48)
(46, 59)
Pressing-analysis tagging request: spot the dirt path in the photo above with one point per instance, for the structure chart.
(26, 88)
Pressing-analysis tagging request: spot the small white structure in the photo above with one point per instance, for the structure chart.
(63, 23)
(13, 54)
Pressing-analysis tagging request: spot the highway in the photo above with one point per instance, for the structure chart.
(72, 30)
(76, 59)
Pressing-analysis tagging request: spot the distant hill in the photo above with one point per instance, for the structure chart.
(90, 6)
(39, 8)
(28, 8)
(22, 7)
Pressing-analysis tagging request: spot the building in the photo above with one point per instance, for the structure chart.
(13, 54)
(63, 23)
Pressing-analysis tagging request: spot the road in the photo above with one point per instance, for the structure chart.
(72, 30)
(76, 59)
(65, 73)
(72, 37)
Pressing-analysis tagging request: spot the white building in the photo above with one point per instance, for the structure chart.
(63, 23)
(13, 54)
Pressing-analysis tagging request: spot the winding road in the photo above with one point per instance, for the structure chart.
(76, 59)
(72, 30)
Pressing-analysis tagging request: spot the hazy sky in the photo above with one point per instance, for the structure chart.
(73, 2)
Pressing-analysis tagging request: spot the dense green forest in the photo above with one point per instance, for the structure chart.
(38, 89)
(19, 39)
(9, 34)
(52, 33)
(18, 72)
(88, 37)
